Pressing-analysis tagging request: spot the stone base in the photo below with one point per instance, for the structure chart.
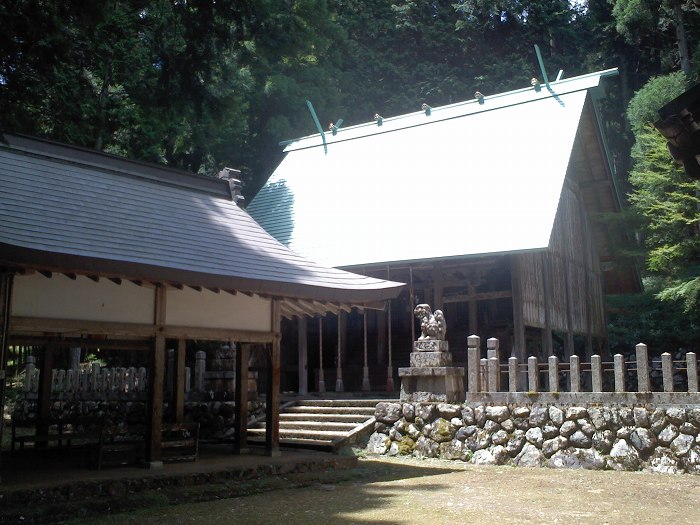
(438, 383)
(430, 345)
(423, 359)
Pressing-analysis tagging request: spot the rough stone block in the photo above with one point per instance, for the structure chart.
(423, 359)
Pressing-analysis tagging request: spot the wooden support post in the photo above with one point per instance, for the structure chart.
(272, 419)
(6, 281)
(365, 369)
(588, 281)
(339, 387)
(412, 298)
(321, 375)
(155, 419)
(569, 341)
(156, 380)
(473, 310)
(619, 369)
(519, 349)
(390, 367)
(240, 424)
(438, 287)
(643, 382)
(303, 352)
(179, 393)
(44, 394)
(547, 346)
(380, 316)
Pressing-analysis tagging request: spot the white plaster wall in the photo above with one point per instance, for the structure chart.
(207, 309)
(83, 299)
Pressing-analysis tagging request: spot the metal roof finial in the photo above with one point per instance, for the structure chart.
(478, 96)
(379, 119)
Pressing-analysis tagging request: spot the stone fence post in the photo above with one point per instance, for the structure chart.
(692, 365)
(553, 363)
(667, 371)
(575, 373)
(596, 373)
(492, 352)
(512, 374)
(533, 374)
(643, 383)
(473, 363)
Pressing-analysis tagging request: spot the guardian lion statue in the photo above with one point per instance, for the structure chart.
(432, 324)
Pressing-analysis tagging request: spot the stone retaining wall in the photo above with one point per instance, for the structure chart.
(592, 437)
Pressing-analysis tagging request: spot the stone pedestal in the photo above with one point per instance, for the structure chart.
(431, 376)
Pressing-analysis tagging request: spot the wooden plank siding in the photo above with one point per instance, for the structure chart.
(574, 263)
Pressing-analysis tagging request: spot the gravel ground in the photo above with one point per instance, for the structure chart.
(406, 490)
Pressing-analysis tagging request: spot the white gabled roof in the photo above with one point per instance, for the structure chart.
(467, 179)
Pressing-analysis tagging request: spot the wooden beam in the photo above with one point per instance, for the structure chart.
(214, 290)
(82, 342)
(95, 278)
(272, 416)
(115, 280)
(46, 274)
(240, 428)
(196, 288)
(478, 296)
(21, 326)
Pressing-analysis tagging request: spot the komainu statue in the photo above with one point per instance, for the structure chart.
(432, 324)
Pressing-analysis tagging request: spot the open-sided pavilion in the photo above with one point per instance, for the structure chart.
(101, 251)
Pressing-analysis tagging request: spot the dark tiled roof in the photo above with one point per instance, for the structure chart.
(73, 210)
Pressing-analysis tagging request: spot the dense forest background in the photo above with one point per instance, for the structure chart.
(203, 84)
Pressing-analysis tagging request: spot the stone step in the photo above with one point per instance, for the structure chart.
(301, 433)
(298, 442)
(369, 411)
(342, 402)
(306, 416)
(316, 425)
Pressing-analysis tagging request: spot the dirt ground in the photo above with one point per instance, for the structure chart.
(401, 491)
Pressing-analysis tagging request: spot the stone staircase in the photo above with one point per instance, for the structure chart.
(325, 424)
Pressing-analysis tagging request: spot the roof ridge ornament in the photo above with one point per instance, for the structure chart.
(318, 125)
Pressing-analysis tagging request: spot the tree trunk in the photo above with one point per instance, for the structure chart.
(681, 37)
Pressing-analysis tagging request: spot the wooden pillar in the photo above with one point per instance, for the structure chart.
(339, 387)
(438, 286)
(303, 353)
(6, 280)
(547, 346)
(381, 337)
(365, 369)
(321, 375)
(473, 310)
(272, 415)
(240, 443)
(519, 349)
(179, 387)
(569, 341)
(390, 367)
(44, 408)
(588, 286)
(156, 380)
(412, 299)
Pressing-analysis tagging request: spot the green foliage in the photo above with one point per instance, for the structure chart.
(643, 107)
(667, 200)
